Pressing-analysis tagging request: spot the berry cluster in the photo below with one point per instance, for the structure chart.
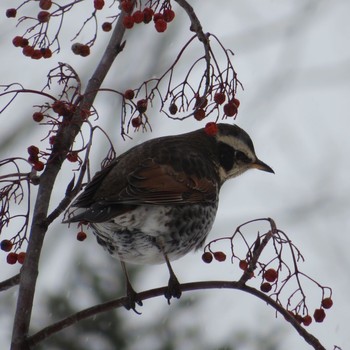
(160, 19)
(31, 51)
(12, 257)
(33, 158)
(274, 279)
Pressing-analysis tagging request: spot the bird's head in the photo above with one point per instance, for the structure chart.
(235, 152)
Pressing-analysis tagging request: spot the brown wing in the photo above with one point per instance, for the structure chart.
(110, 194)
(160, 185)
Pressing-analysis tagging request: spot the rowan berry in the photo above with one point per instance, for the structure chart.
(199, 114)
(173, 109)
(127, 6)
(243, 265)
(36, 55)
(219, 98)
(38, 165)
(136, 122)
(211, 128)
(28, 51)
(45, 4)
(129, 94)
(270, 275)
(38, 117)
(33, 150)
(168, 15)
(128, 22)
(137, 16)
(43, 16)
(327, 303)
(81, 236)
(11, 258)
(230, 109)
(46, 52)
(207, 257)
(6, 245)
(307, 320)
(265, 287)
(99, 4)
(141, 105)
(319, 315)
(11, 13)
(147, 15)
(20, 257)
(72, 157)
(106, 26)
(219, 256)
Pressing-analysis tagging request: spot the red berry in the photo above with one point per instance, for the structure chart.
(299, 318)
(168, 15)
(147, 15)
(207, 257)
(81, 236)
(201, 102)
(199, 114)
(38, 166)
(20, 257)
(173, 109)
(220, 256)
(72, 157)
(243, 265)
(161, 26)
(43, 16)
(319, 315)
(270, 275)
(137, 16)
(28, 51)
(11, 13)
(128, 22)
(307, 320)
(33, 159)
(46, 52)
(230, 109)
(136, 122)
(6, 245)
(236, 102)
(52, 139)
(38, 117)
(157, 16)
(127, 6)
(99, 4)
(84, 50)
(11, 258)
(36, 55)
(211, 129)
(45, 4)
(106, 26)
(17, 41)
(33, 150)
(265, 287)
(129, 94)
(219, 98)
(327, 303)
(141, 105)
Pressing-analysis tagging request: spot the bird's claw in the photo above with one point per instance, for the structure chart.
(173, 290)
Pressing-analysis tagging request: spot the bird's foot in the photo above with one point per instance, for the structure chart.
(174, 289)
(131, 299)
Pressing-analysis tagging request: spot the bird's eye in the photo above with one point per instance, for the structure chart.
(240, 156)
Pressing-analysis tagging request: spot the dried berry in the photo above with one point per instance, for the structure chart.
(11, 13)
(199, 114)
(307, 320)
(72, 157)
(211, 129)
(127, 6)
(46, 52)
(11, 258)
(6, 245)
(36, 55)
(327, 303)
(33, 150)
(236, 102)
(319, 315)
(28, 51)
(38, 165)
(168, 15)
(219, 98)
(20, 257)
(129, 94)
(207, 257)
(160, 25)
(270, 275)
(45, 4)
(173, 109)
(265, 287)
(43, 16)
(81, 236)
(219, 256)
(137, 16)
(230, 109)
(128, 22)
(147, 15)
(141, 105)
(243, 265)
(106, 26)
(99, 4)
(136, 122)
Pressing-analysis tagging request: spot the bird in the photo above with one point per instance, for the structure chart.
(158, 201)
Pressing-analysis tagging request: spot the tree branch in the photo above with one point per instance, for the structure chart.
(10, 282)
(116, 303)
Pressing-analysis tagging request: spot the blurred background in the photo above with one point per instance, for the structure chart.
(293, 59)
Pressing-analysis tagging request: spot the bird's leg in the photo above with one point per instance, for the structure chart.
(132, 297)
(174, 289)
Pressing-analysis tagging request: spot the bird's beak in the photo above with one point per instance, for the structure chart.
(258, 164)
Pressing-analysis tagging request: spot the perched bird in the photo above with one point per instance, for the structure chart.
(158, 201)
